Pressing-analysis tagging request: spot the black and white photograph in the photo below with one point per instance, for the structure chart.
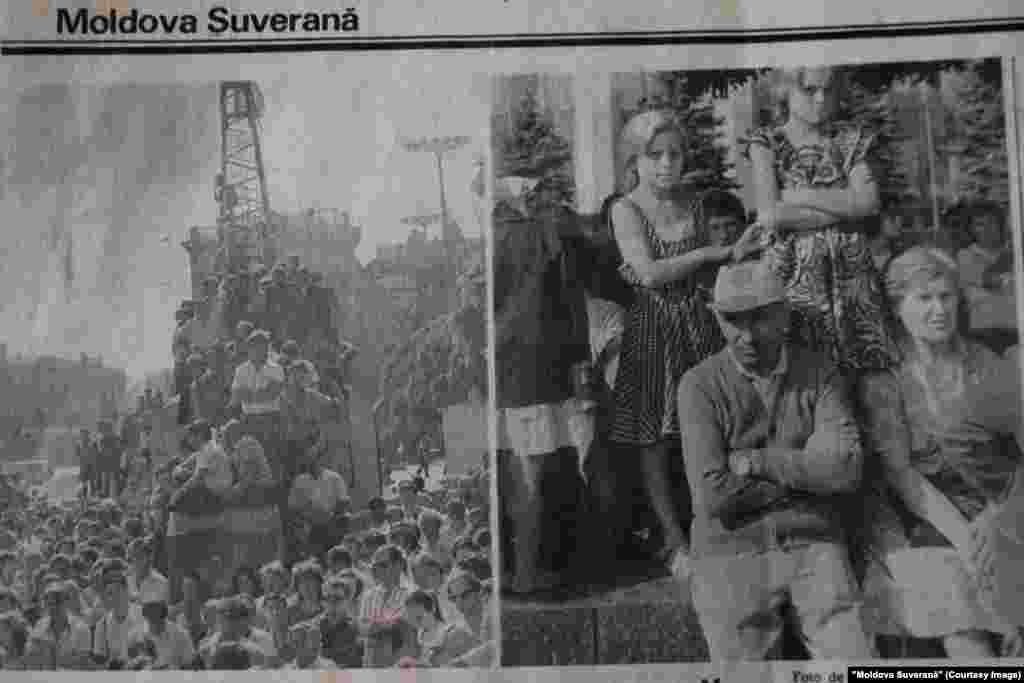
(244, 373)
(758, 381)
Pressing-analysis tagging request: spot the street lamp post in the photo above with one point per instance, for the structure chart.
(380, 453)
(439, 146)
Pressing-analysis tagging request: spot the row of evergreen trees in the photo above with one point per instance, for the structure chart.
(444, 358)
(535, 149)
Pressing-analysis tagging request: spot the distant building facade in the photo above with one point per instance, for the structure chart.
(49, 390)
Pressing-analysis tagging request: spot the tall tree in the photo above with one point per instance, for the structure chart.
(534, 149)
(880, 76)
(982, 122)
(872, 108)
(440, 365)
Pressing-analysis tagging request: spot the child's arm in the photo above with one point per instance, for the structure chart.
(631, 237)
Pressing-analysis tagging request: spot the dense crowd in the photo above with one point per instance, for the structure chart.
(84, 587)
(214, 530)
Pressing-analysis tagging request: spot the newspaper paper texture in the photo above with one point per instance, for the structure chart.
(427, 340)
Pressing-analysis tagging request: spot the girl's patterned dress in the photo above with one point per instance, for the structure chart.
(829, 273)
(668, 330)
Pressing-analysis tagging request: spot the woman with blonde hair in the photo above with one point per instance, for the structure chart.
(814, 185)
(947, 424)
(658, 228)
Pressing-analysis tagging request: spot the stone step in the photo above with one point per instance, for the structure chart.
(652, 622)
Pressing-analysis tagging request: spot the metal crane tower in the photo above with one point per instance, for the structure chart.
(241, 190)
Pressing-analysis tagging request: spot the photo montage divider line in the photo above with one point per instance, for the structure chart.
(492, 374)
(1012, 105)
(102, 46)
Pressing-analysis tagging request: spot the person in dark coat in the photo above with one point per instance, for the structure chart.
(542, 340)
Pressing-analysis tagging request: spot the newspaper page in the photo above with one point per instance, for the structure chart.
(506, 339)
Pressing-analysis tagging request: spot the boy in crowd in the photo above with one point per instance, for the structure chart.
(724, 221)
(724, 217)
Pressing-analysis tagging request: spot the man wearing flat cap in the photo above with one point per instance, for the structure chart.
(772, 451)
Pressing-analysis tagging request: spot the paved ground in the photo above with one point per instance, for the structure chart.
(657, 591)
(649, 622)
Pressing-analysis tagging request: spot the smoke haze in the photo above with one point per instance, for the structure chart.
(102, 181)
(100, 185)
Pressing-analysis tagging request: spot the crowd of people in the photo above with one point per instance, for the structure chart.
(84, 587)
(809, 412)
(215, 531)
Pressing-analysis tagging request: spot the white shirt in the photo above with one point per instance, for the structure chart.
(248, 376)
(322, 494)
(173, 647)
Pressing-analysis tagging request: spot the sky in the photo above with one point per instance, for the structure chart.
(103, 181)
(339, 146)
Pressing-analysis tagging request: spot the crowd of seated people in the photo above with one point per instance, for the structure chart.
(87, 585)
